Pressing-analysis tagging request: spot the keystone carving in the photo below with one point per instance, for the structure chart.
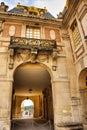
(33, 56)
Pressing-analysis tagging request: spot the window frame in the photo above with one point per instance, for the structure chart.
(33, 32)
(76, 37)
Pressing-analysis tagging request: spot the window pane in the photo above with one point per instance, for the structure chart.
(37, 33)
(33, 33)
(75, 34)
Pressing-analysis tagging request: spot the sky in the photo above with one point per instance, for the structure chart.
(53, 6)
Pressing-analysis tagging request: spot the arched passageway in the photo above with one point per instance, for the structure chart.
(32, 83)
(27, 109)
(83, 92)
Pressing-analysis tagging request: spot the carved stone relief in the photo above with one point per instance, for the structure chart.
(22, 55)
(33, 56)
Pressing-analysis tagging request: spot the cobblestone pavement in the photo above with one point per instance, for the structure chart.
(30, 124)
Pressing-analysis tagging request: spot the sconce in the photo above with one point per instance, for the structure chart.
(54, 68)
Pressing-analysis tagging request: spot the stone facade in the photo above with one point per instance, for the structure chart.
(61, 50)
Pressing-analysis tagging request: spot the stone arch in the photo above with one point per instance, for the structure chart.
(83, 92)
(82, 78)
(45, 67)
(39, 63)
(27, 108)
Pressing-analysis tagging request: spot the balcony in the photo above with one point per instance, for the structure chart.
(32, 43)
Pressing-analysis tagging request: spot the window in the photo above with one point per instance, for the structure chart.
(33, 33)
(75, 34)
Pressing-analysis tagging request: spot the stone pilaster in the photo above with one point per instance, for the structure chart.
(5, 103)
(61, 103)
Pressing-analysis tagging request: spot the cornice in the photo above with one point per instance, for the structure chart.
(82, 12)
(70, 12)
(22, 18)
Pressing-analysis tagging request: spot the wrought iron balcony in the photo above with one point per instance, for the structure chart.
(31, 43)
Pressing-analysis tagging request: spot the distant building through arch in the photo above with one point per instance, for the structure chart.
(27, 109)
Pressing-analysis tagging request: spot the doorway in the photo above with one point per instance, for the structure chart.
(83, 92)
(32, 84)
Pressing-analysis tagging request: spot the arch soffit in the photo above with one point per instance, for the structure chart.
(39, 64)
(82, 73)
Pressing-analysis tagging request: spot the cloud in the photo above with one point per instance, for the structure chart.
(54, 7)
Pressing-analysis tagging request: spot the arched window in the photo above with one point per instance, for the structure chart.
(27, 108)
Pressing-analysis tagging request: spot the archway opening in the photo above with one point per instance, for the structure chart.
(83, 79)
(32, 82)
(83, 92)
(27, 109)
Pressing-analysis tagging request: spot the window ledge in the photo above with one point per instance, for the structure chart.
(78, 47)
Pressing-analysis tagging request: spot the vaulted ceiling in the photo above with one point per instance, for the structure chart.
(31, 77)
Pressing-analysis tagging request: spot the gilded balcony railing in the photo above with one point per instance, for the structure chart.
(32, 43)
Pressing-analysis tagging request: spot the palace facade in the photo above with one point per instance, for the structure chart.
(44, 62)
